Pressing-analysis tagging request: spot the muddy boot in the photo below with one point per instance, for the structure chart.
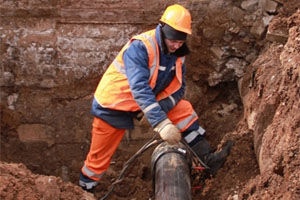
(87, 184)
(214, 160)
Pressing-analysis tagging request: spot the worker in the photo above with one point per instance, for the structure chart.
(148, 77)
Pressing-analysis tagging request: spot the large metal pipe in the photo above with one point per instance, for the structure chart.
(171, 170)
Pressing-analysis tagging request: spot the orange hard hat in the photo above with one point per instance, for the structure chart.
(178, 18)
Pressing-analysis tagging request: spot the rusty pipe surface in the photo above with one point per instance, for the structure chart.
(171, 170)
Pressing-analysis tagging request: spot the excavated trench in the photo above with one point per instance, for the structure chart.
(241, 72)
(220, 116)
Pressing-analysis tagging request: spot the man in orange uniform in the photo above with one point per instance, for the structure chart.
(147, 76)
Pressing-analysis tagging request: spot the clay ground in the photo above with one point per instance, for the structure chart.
(264, 162)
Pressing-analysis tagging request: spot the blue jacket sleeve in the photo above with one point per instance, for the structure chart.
(168, 103)
(138, 73)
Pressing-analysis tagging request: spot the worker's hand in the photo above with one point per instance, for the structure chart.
(168, 131)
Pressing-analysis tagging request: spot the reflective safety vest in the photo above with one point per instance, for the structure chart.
(113, 90)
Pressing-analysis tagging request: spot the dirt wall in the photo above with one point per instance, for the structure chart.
(272, 111)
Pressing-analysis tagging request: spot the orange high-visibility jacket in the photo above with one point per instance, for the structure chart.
(114, 91)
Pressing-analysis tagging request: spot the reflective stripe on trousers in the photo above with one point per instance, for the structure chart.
(182, 115)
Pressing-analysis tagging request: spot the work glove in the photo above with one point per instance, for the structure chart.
(168, 131)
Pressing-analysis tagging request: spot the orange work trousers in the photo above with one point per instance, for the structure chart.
(106, 138)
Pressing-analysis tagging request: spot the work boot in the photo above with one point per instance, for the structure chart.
(215, 160)
(87, 184)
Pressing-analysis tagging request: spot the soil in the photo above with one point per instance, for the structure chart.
(261, 165)
(17, 182)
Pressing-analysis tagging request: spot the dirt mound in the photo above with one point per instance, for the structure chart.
(17, 182)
